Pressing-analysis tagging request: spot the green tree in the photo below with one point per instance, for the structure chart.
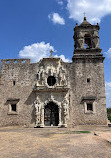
(109, 113)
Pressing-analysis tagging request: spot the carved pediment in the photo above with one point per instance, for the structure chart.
(51, 67)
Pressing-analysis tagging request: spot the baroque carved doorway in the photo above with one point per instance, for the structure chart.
(51, 114)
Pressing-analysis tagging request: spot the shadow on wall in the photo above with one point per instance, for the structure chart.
(33, 116)
(31, 98)
(30, 101)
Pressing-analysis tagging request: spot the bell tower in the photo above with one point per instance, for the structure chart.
(88, 85)
(86, 39)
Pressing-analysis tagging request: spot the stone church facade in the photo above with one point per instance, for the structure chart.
(55, 93)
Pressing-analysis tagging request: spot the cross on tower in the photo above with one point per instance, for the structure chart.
(51, 52)
(84, 14)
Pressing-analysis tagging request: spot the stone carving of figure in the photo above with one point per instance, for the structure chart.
(36, 107)
(65, 109)
(37, 112)
(65, 106)
(60, 75)
(42, 74)
(64, 79)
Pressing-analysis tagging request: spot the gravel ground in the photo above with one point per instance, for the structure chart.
(19, 142)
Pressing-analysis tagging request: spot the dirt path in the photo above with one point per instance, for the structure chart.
(52, 143)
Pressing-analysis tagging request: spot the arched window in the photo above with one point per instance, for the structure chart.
(87, 41)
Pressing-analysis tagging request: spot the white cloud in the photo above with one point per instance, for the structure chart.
(60, 2)
(108, 94)
(63, 58)
(56, 18)
(108, 53)
(95, 9)
(37, 51)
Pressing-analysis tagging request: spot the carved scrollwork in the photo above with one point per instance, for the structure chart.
(51, 70)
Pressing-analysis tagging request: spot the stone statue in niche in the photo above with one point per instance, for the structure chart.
(42, 76)
(36, 105)
(65, 106)
(37, 111)
(62, 77)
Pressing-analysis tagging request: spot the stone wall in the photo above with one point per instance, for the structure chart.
(93, 91)
(23, 73)
(19, 76)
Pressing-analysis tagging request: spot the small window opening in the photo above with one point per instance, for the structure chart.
(88, 80)
(89, 107)
(85, 46)
(13, 83)
(7, 62)
(38, 109)
(23, 61)
(87, 41)
(37, 76)
(13, 107)
(15, 61)
(51, 80)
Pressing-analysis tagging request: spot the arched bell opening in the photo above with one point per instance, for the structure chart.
(51, 114)
(87, 41)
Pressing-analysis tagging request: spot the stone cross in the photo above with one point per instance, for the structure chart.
(51, 52)
(84, 14)
(51, 56)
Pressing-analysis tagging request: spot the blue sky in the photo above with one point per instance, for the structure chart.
(31, 28)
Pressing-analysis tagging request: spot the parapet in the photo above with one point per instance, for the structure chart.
(14, 61)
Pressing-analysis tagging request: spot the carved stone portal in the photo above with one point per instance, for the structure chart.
(50, 112)
(51, 104)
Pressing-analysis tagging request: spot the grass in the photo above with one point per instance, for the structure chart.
(81, 131)
(77, 132)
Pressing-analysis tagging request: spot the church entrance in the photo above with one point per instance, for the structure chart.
(51, 114)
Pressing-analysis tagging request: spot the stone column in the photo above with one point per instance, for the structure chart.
(60, 121)
(42, 117)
